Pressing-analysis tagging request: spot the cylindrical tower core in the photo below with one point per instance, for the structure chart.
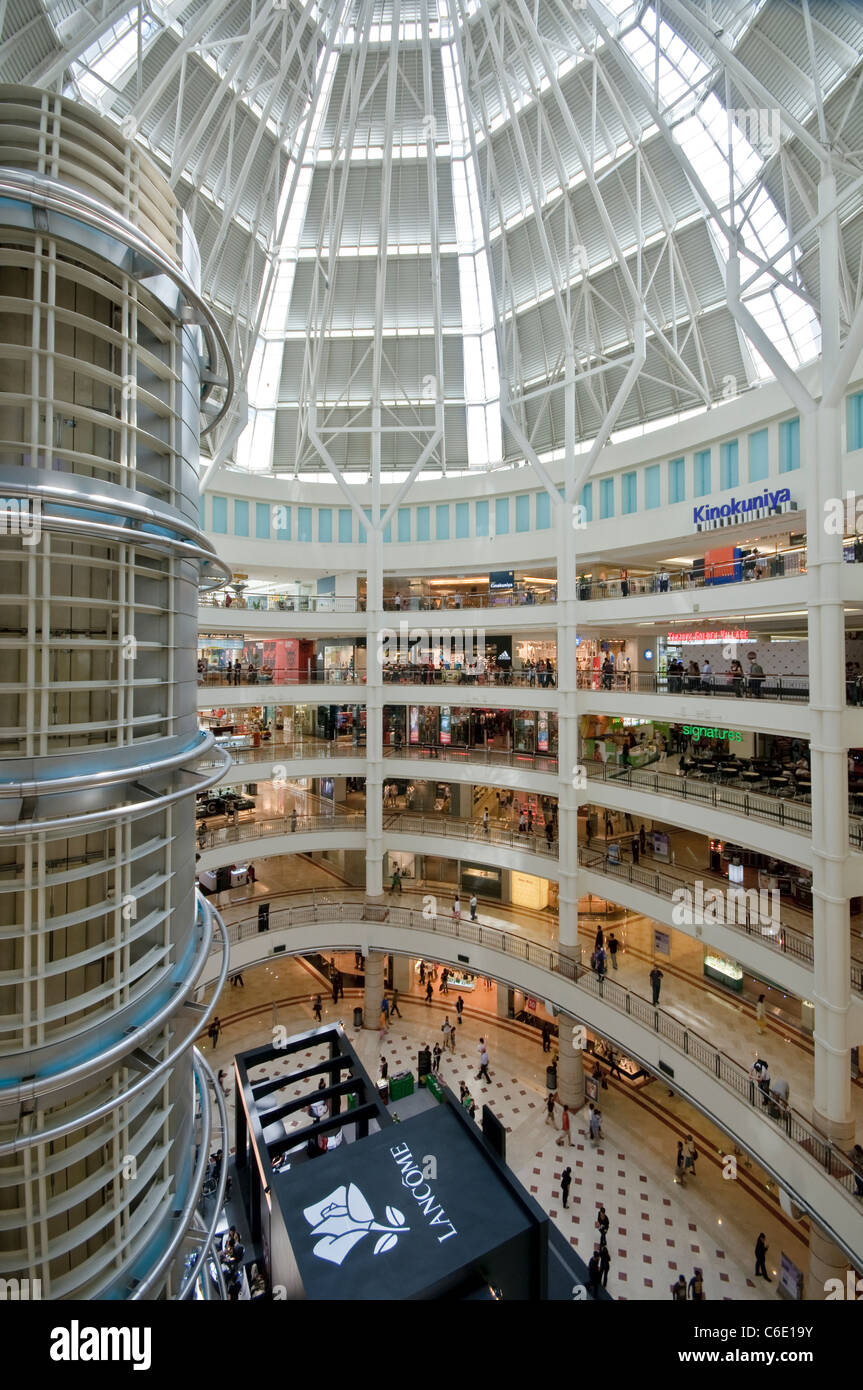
(102, 346)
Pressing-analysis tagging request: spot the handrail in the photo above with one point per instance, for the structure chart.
(700, 1051)
(787, 813)
(415, 674)
(722, 683)
(291, 603)
(288, 675)
(782, 564)
(788, 941)
(453, 753)
(401, 822)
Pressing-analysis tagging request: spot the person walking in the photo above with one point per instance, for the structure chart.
(614, 1065)
(335, 989)
(565, 1184)
(317, 1005)
(549, 1110)
(594, 1275)
(384, 1024)
(635, 852)
(613, 948)
(756, 675)
(656, 983)
(485, 821)
(422, 972)
(214, 1030)
(602, 1225)
(690, 1154)
(436, 1056)
(459, 1007)
(396, 882)
(473, 907)
(546, 1037)
(385, 1009)
(599, 939)
(680, 1165)
(696, 1287)
(759, 1013)
(566, 1127)
(446, 1029)
(642, 838)
(678, 1290)
(394, 1005)
(429, 992)
(760, 1073)
(595, 1123)
(293, 819)
(483, 1061)
(604, 1265)
(760, 1256)
(385, 1068)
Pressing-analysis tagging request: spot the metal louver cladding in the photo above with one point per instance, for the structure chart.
(108, 357)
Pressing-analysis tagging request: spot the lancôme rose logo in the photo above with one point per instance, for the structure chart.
(342, 1219)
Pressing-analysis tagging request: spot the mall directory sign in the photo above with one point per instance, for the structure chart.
(421, 1209)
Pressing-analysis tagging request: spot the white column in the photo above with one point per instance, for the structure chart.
(570, 1065)
(374, 988)
(375, 623)
(821, 458)
(567, 735)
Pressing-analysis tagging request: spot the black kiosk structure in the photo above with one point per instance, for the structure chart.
(421, 1209)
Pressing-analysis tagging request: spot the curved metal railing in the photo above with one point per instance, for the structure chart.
(788, 1123)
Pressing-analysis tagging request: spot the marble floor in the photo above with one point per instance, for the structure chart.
(658, 1229)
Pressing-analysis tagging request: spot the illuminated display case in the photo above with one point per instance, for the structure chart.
(723, 971)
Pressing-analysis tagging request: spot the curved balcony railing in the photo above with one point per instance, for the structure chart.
(452, 827)
(774, 810)
(520, 597)
(296, 751)
(484, 757)
(287, 675)
(788, 688)
(783, 564)
(282, 603)
(423, 675)
(277, 825)
(790, 1126)
(402, 822)
(786, 940)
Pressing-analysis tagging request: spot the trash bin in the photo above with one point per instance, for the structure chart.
(551, 1078)
(384, 1092)
(358, 1017)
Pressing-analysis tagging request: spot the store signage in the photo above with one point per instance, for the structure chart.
(705, 639)
(542, 732)
(416, 1183)
(445, 734)
(742, 509)
(697, 731)
(501, 579)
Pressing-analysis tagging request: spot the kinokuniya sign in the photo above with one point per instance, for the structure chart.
(707, 517)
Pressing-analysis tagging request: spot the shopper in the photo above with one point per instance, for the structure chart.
(599, 939)
(642, 838)
(760, 1256)
(383, 1025)
(759, 1013)
(459, 1007)
(696, 1287)
(546, 1037)
(422, 972)
(429, 992)
(385, 1069)
(385, 1009)
(456, 910)
(756, 675)
(566, 1127)
(595, 1123)
(222, 1078)
(656, 983)
(483, 1061)
(594, 1275)
(396, 883)
(602, 1225)
(549, 1110)
(214, 1030)
(293, 819)
(680, 1165)
(690, 1154)
(678, 1290)
(317, 1005)
(436, 1055)
(760, 1073)
(565, 1184)
(394, 1005)
(613, 947)
(473, 907)
(335, 989)
(604, 1265)
(446, 1029)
